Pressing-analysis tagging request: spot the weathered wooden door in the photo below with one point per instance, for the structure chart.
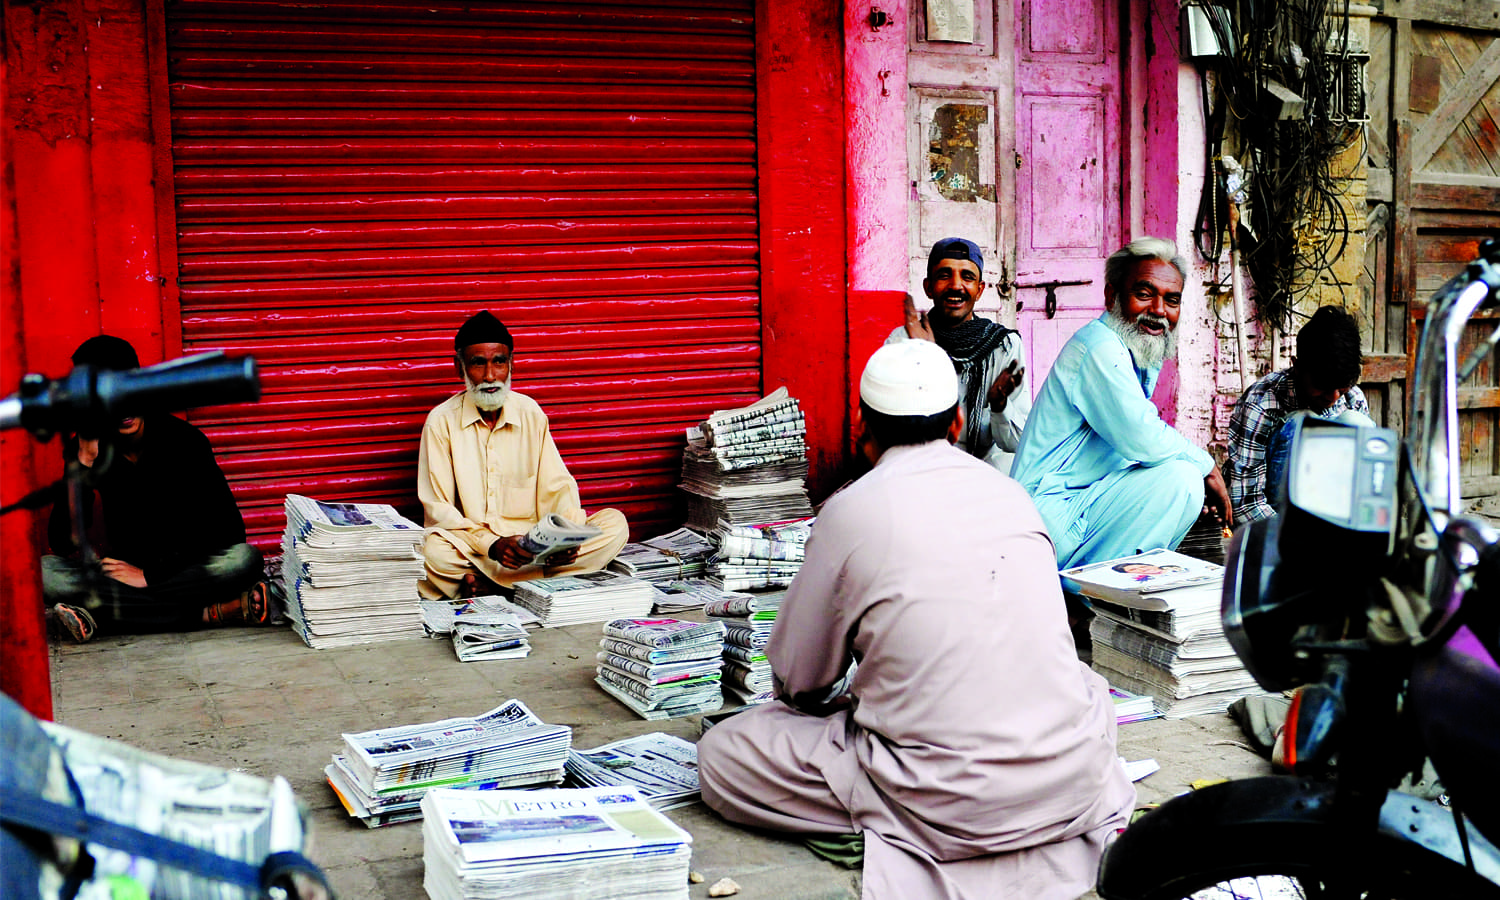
(1015, 143)
(1433, 194)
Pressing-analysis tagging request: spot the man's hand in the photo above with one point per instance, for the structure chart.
(916, 322)
(563, 557)
(88, 451)
(509, 553)
(1005, 384)
(1216, 498)
(123, 571)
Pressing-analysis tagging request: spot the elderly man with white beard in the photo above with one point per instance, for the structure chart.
(488, 471)
(1109, 477)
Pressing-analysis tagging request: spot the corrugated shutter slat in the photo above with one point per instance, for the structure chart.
(353, 179)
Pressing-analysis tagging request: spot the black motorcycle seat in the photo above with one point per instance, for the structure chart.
(1455, 697)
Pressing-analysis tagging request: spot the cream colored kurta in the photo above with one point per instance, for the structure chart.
(979, 756)
(479, 483)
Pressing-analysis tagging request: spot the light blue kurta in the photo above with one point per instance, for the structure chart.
(1109, 477)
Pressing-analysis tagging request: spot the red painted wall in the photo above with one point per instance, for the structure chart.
(804, 268)
(81, 249)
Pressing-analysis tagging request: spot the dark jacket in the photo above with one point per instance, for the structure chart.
(170, 510)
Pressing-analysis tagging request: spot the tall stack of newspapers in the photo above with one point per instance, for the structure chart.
(747, 627)
(350, 572)
(747, 466)
(382, 775)
(556, 844)
(1157, 631)
(588, 597)
(754, 557)
(662, 668)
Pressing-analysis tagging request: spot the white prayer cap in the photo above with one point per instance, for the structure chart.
(909, 378)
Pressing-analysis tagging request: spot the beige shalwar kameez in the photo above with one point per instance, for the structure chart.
(479, 483)
(978, 758)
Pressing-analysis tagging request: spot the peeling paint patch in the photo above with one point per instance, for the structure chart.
(953, 163)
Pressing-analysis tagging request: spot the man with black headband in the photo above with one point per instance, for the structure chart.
(488, 471)
(1109, 477)
(988, 357)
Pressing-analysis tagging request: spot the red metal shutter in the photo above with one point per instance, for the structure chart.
(354, 179)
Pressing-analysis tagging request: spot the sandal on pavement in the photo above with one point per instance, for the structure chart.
(76, 621)
(229, 612)
(255, 605)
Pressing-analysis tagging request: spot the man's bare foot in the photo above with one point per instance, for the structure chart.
(469, 587)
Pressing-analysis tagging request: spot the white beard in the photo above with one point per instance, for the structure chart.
(1148, 350)
(485, 397)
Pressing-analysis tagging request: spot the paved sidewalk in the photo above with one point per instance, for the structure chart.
(262, 701)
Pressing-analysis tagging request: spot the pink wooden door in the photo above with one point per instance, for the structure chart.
(1067, 159)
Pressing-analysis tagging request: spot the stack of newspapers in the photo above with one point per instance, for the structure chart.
(663, 767)
(662, 668)
(750, 557)
(690, 593)
(748, 465)
(680, 555)
(350, 572)
(748, 623)
(480, 627)
(381, 775)
(589, 597)
(554, 844)
(1157, 632)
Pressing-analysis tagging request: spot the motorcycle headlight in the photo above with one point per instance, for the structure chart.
(1294, 569)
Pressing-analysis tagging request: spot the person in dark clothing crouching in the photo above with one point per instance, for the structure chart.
(168, 537)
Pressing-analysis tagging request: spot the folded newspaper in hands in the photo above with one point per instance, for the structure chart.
(554, 534)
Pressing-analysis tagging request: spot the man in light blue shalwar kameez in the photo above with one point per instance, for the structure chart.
(1109, 477)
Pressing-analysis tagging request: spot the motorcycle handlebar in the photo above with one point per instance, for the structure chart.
(88, 398)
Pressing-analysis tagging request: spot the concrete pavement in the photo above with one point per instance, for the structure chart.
(261, 701)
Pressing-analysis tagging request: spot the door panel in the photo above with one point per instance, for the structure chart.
(1068, 198)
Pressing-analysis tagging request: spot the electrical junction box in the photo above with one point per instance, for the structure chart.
(1281, 103)
(1199, 38)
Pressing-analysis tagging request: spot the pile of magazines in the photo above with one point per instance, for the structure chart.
(382, 775)
(748, 623)
(350, 572)
(551, 844)
(663, 767)
(1157, 632)
(751, 557)
(589, 597)
(748, 465)
(662, 668)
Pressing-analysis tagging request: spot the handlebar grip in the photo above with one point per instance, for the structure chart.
(89, 401)
(180, 384)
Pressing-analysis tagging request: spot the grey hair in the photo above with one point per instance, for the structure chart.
(1121, 260)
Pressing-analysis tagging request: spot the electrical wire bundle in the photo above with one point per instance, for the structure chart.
(1285, 54)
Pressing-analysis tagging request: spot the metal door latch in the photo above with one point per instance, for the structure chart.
(1051, 288)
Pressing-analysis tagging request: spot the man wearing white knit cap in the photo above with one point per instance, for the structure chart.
(970, 747)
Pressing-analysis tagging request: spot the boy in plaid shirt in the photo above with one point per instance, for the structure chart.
(1321, 381)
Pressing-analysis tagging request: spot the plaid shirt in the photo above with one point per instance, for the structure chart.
(1256, 419)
